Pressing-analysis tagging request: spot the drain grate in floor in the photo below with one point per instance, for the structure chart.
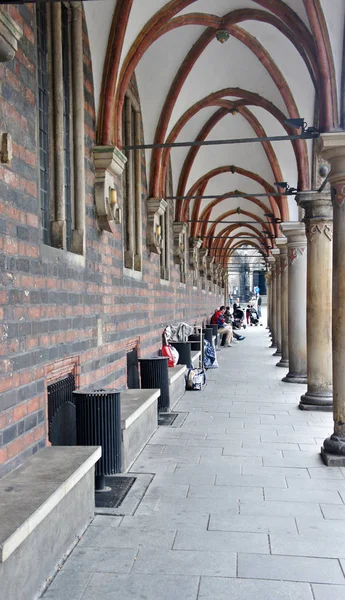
(166, 419)
(119, 488)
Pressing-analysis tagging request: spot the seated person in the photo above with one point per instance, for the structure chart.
(218, 319)
(228, 321)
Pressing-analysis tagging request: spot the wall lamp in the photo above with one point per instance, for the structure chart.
(288, 191)
(272, 217)
(302, 124)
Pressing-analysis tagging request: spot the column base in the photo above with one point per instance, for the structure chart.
(291, 378)
(277, 353)
(310, 401)
(333, 451)
(283, 363)
(273, 345)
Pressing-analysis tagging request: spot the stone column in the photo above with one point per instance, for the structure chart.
(297, 301)
(318, 221)
(282, 243)
(332, 147)
(268, 278)
(273, 302)
(277, 311)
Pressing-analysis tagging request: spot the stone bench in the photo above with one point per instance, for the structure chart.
(139, 421)
(45, 505)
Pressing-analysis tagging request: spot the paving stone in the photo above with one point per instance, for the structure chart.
(276, 471)
(212, 588)
(332, 511)
(328, 592)
(221, 541)
(100, 560)
(225, 492)
(175, 562)
(320, 526)
(106, 586)
(290, 568)
(315, 545)
(187, 505)
(178, 490)
(255, 524)
(251, 480)
(105, 521)
(283, 509)
(303, 495)
(235, 450)
(318, 484)
(157, 521)
(126, 537)
(68, 585)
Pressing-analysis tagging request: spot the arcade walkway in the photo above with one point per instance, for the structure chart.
(240, 506)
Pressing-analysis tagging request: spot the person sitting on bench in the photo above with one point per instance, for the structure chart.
(218, 319)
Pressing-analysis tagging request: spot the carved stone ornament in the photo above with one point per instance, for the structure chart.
(10, 34)
(203, 252)
(283, 263)
(179, 231)
(294, 254)
(109, 165)
(210, 261)
(312, 231)
(338, 194)
(156, 207)
(194, 245)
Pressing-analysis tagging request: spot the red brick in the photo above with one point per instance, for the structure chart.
(19, 412)
(3, 456)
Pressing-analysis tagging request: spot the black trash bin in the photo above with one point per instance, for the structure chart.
(184, 350)
(154, 374)
(98, 415)
(195, 339)
(208, 333)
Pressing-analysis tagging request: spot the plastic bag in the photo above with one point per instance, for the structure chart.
(170, 352)
(195, 379)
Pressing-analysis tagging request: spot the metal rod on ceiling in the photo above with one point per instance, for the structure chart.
(221, 222)
(275, 138)
(225, 196)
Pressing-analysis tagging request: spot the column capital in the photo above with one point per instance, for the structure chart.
(294, 231)
(317, 205)
(332, 147)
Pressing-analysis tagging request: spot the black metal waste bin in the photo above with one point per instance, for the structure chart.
(184, 350)
(154, 373)
(208, 333)
(195, 339)
(98, 414)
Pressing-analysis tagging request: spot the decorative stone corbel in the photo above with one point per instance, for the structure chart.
(10, 34)
(209, 262)
(179, 230)
(109, 164)
(203, 252)
(156, 207)
(194, 245)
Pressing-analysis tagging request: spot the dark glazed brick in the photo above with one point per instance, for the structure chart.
(9, 434)
(30, 421)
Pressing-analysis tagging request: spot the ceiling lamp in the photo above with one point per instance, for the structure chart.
(222, 35)
(288, 191)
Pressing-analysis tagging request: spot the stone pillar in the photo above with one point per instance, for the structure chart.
(282, 243)
(277, 310)
(332, 147)
(273, 303)
(318, 221)
(268, 278)
(297, 301)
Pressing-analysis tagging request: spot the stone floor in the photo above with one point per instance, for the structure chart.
(240, 506)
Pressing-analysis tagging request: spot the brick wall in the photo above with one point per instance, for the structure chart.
(49, 306)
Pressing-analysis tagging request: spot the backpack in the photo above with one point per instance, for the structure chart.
(195, 379)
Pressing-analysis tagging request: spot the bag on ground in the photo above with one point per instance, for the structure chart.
(195, 379)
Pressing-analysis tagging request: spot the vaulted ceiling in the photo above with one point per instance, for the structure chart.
(283, 59)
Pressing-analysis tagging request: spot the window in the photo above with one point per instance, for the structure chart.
(61, 124)
(131, 135)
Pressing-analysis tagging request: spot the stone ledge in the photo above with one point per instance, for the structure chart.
(134, 403)
(31, 492)
(176, 373)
